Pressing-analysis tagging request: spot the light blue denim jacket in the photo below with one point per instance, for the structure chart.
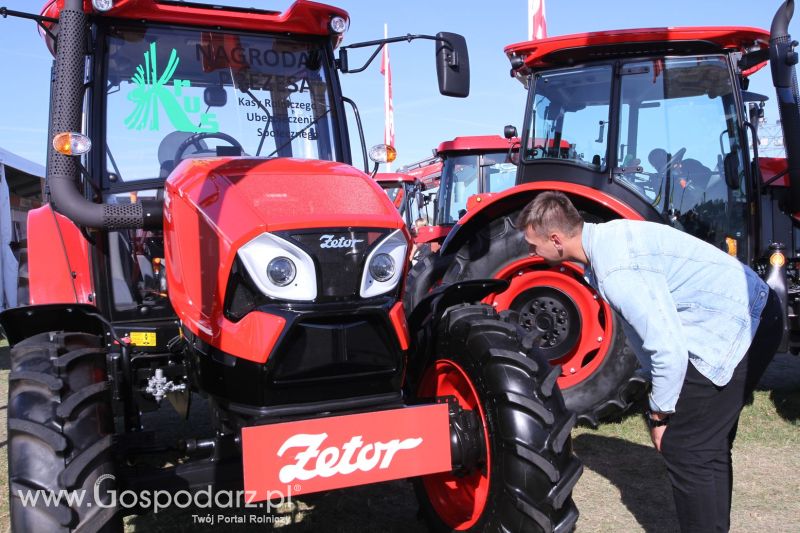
(681, 299)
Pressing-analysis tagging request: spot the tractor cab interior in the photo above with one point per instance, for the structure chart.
(681, 114)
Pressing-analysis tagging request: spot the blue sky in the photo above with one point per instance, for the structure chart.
(423, 118)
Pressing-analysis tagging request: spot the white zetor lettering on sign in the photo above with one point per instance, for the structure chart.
(330, 241)
(332, 460)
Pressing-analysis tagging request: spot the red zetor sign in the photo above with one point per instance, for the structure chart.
(342, 451)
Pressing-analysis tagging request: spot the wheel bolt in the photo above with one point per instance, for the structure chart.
(571, 370)
(599, 339)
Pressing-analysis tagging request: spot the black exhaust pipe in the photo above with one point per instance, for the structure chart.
(63, 172)
(782, 59)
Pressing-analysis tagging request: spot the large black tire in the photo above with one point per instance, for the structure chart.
(531, 468)
(614, 386)
(422, 277)
(60, 431)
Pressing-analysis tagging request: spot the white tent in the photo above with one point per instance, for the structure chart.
(9, 268)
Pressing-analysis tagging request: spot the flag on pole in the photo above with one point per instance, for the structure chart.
(388, 108)
(537, 25)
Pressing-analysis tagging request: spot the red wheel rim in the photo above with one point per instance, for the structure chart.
(459, 501)
(581, 350)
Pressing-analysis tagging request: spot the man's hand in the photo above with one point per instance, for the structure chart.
(655, 436)
(657, 422)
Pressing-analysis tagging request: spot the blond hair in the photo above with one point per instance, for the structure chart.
(551, 211)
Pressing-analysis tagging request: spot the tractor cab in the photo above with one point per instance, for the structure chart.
(470, 167)
(655, 117)
(405, 192)
(473, 165)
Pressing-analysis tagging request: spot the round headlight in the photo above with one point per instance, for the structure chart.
(103, 5)
(382, 267)
(338, 25)
(281, 271)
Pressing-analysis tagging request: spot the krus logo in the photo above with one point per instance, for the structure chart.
(330, 241)
(332, 460)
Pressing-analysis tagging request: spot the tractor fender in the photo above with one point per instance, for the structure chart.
(515, 198)
(59, 266)
(20, 323)
(424, 320)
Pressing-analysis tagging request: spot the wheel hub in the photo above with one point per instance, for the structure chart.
(553, 315)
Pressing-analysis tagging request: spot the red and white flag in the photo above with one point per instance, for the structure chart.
(388, 107)
(537, 25)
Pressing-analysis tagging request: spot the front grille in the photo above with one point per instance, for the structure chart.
(339, 256)
(336, 348)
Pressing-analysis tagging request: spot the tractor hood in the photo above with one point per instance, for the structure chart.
(214, 207)
(244, 197)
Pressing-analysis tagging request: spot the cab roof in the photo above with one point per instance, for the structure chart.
(477, 142)
(394, 177)
(303, 17)
(566, 50)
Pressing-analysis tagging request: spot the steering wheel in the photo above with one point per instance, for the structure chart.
(195, 139)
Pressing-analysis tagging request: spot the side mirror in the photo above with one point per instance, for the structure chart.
(452, 64)
(509, 132)
(731, 167)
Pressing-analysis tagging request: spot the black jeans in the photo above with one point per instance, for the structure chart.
(696, 445)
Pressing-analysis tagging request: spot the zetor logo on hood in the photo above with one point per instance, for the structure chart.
(343, 451)
(331, 241)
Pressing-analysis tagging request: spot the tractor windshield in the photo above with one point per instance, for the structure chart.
(569, 119)
(468, 174)
(173, 94)
(678, 134)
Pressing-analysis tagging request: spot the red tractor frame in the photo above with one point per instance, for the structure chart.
(207, 235)
(659, 126)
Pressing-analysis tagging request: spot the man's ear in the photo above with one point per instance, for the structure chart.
(556, 239)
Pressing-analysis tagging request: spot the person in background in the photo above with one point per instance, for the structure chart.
(702, 324)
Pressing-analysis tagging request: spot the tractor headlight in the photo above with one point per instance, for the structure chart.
(381, 267)
(384, 265)
(279, 268)
(103, 5)
(281, 271)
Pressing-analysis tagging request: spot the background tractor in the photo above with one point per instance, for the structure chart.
(405, 192)
(659, 126)
(206, 233)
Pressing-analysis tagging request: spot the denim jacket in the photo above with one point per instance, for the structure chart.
(681, 299)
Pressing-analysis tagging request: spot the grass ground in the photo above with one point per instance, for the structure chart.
(624, 487)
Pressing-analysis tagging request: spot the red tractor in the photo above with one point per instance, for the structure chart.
(405, 192)
(428, 171)
(467, 169)
(659, 126)
(470, 165)
(206, 234)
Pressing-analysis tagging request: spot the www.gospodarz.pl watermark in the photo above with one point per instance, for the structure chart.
(104, 495)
